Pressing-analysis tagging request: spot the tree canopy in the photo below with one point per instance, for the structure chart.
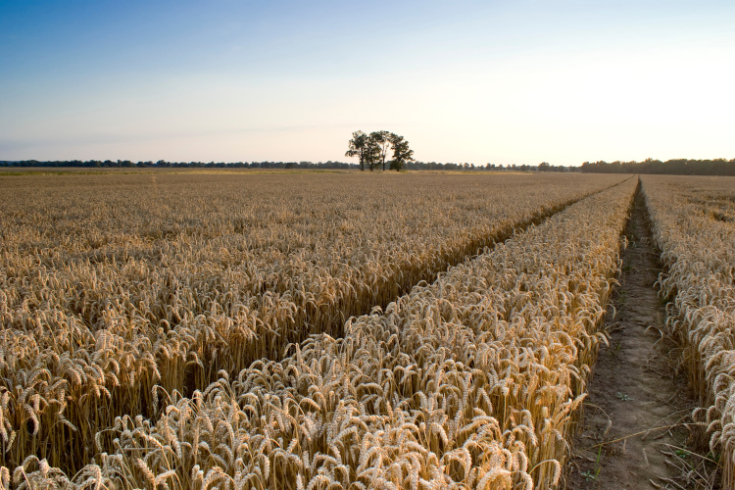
(358, 147)
(402, 154)
(372, 149)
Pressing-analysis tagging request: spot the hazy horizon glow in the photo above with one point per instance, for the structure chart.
(467, 81)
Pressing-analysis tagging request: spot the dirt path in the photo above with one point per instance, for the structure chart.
(634, 388)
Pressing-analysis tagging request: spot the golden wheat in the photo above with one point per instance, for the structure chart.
(113, 286)
(692, 220)
(469, 382)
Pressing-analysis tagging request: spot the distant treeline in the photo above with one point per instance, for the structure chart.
(542, 167)
(678, 167)
(681, 167)
(165, 164)
(285, 165)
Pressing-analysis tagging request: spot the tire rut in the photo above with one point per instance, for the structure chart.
(632, 434)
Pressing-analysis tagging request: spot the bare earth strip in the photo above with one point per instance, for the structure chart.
(635, 387)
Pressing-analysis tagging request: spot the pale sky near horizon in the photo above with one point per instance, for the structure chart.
(464, 81)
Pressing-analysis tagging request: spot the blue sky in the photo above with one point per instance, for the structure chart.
(463, 81)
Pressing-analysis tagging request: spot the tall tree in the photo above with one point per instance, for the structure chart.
(402, 154)
(357, 147)
(372, 153)
(382, 140)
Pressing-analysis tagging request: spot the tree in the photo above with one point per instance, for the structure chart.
(358, 146)
(372, 153)
(402, 154)
(381, 139)
(373, 149)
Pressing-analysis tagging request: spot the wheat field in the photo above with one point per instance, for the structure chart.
(194, 330)
(693, 221)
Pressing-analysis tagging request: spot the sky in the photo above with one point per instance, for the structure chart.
(463, 81)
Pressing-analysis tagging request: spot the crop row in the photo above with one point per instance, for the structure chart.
(471, 381)
(692, 221)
